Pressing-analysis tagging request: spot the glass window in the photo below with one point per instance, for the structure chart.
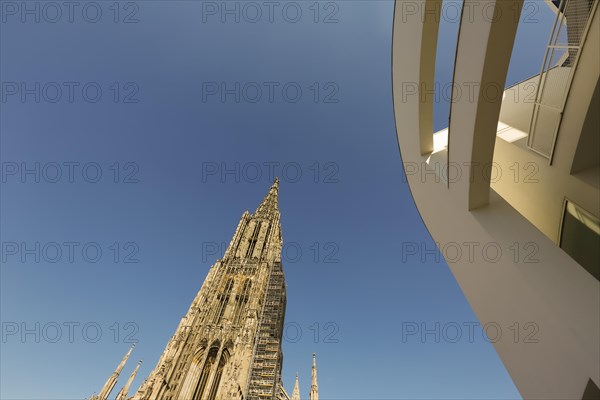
(580, 237)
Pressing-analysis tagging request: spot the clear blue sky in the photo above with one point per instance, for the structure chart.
(167, 208)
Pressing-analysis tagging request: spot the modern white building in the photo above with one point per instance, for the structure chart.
(510, 191)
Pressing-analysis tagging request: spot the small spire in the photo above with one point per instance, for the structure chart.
(123, 393)
(270, 204)
(296, 393)
(314, 387)
(112, 380)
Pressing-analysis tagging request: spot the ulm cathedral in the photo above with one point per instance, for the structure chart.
(228, 345)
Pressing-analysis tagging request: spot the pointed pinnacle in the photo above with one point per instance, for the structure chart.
(296, 392)
(270, 203)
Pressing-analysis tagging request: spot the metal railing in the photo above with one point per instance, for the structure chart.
(560, 61)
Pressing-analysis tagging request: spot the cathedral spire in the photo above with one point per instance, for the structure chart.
(314, 387)
(296, 393)
(229, 343)
(112, 381)
(123, 393)
(270, 204)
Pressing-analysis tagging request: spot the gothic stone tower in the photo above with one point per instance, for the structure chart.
(228, 345)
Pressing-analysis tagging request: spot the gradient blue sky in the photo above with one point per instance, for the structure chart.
(358, 205)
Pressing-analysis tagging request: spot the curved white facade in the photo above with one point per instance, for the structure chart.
(490, 194)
